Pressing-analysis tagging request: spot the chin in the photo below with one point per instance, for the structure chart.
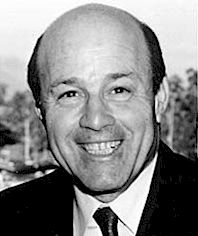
(100, 187)
(106, 193)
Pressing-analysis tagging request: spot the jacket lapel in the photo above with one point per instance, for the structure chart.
(157, 212)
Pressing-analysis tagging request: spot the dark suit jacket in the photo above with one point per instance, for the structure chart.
(45, 206)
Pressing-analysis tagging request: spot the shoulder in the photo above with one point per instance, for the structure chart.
(178, 178)
(38, 202)
(178, 167)
(177, 191)
(34, 191)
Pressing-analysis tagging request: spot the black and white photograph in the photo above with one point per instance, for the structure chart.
(98, 118)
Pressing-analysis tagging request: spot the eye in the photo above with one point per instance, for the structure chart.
(73, 96)
(120, 90)
(69, 94)
(120, 94)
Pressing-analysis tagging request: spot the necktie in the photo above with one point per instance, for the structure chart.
(107, 221)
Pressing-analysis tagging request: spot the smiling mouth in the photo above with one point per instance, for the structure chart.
(101, 148)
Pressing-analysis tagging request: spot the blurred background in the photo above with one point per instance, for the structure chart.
(24, 151)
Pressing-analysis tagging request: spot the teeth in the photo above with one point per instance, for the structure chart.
(104, 148)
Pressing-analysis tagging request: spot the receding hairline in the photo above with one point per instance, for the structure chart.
(118, 23)
(86, 18)
(90, 11)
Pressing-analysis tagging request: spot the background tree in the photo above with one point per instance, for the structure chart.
(179, 123)
(21, 117)
(3, 90)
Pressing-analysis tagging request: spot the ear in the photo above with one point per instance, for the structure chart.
(38, 113)
(161, 99)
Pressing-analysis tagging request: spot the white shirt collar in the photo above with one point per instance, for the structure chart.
(84, 208)
(128, 206)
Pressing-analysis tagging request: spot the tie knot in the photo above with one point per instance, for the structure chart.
(107, 221)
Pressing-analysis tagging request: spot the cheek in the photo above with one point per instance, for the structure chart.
(58, 129)
(59, 120)
(134, 114)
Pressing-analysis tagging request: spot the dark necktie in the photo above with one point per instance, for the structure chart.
(107, 221)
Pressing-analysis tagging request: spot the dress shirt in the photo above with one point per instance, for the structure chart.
(128, 207)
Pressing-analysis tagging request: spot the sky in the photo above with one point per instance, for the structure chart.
(23, 21)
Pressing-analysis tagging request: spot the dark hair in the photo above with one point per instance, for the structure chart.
(33, 74)
(156, 61)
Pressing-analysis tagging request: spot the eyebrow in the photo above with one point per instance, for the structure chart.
(68, 81)
(115, 76)
(75, 80)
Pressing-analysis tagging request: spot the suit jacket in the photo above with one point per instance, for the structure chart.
(45, 206)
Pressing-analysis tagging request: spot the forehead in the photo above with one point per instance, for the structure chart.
(84, 36)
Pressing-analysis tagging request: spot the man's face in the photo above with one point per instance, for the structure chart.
(99, 108)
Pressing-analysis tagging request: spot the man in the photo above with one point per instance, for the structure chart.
(99, 82)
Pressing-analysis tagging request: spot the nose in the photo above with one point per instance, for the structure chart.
(96, 115)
